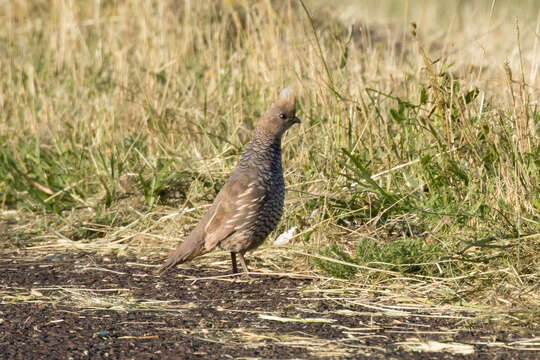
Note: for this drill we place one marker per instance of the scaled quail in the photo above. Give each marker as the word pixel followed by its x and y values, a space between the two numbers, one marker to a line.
pixel 250 204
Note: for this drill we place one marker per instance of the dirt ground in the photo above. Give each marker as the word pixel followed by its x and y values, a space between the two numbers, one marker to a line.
pixel 85 305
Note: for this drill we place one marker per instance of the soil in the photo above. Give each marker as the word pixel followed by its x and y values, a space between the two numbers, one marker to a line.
pixel 91 306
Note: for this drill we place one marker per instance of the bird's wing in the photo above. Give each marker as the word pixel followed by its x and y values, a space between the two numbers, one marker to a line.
pixel 238 204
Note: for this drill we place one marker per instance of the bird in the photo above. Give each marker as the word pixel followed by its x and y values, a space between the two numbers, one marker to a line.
pixel 250 204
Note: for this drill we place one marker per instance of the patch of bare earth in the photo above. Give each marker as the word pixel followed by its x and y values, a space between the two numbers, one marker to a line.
pixel 87 305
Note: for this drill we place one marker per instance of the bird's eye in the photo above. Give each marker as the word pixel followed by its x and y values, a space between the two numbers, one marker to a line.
pixel 282 116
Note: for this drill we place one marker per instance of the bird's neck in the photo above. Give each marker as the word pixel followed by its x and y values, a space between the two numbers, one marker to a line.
pixel 263 150
pixel 263 141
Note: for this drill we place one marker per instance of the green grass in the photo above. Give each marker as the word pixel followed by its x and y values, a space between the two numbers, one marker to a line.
pixel 400 256
pixel 418 153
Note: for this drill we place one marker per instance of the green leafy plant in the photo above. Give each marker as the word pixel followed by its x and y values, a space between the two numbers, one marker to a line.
pixel 153 186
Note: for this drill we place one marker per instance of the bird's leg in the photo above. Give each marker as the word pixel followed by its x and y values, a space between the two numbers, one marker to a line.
pixel 233 260
pixel 243 262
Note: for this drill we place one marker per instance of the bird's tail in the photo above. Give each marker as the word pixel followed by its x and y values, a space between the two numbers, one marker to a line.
pixel 185 252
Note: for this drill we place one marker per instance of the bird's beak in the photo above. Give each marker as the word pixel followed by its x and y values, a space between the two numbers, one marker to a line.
pixel 296 120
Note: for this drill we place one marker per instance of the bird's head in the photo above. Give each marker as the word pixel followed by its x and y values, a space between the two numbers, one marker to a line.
pixel 281 115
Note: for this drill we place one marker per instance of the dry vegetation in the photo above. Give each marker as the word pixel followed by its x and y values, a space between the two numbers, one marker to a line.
pixel 414 175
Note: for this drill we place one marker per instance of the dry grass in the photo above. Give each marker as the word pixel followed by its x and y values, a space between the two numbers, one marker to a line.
pixel 417 159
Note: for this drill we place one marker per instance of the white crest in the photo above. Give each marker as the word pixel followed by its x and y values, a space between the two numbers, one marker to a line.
pixel 287 94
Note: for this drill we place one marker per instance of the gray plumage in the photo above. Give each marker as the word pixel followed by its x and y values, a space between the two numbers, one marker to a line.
pixel 250 204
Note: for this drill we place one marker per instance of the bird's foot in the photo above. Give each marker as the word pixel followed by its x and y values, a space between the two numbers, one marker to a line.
pixel 247 276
